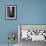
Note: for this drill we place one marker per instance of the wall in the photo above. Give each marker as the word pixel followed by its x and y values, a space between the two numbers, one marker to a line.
pixel 28 12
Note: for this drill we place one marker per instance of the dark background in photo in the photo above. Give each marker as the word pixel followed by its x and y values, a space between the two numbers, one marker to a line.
pixel 10 13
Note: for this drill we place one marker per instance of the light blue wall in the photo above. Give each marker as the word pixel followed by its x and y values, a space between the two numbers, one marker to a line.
pixel 28 12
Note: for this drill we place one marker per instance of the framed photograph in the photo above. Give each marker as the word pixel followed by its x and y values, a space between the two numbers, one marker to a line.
pixel 10 12
pixel 31 32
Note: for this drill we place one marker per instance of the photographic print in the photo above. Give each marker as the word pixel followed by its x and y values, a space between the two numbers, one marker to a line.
pixel 31 33
pixel 10 11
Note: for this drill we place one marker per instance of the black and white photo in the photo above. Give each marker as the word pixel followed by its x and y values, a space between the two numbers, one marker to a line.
pixel 10 11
